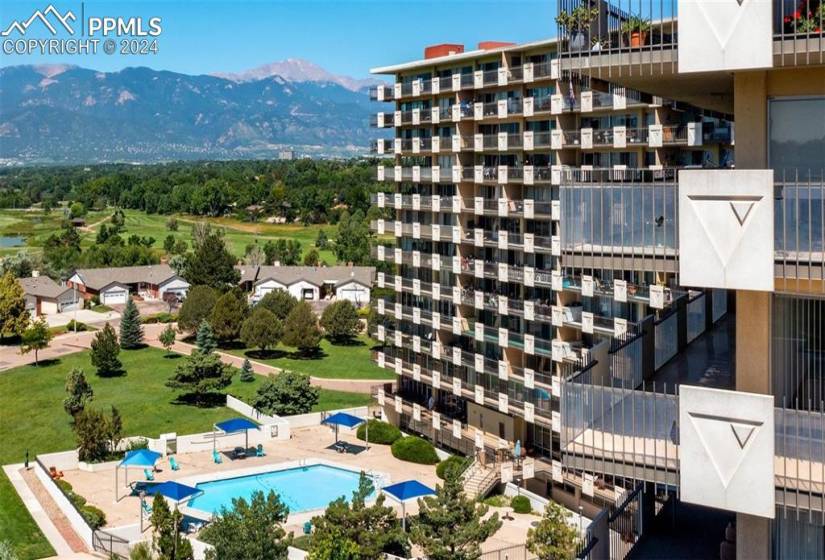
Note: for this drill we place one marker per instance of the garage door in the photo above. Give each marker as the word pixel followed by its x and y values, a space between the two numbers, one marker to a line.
pixel 69 306
pixel 114 297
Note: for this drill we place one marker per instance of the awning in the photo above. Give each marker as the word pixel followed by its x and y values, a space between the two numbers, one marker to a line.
pixel 236 425
pixel 175 491
pixel 408 490
pixel 343 419
pixel 140 458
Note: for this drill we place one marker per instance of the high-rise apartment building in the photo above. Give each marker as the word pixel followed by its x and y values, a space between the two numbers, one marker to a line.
pixel 593 266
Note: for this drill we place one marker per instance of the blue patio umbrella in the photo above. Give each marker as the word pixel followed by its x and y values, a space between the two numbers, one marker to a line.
pixel 344 419
pixel 141 458
pixel 174 491
pixel 171 490
pixel 233 426
pixel 407 490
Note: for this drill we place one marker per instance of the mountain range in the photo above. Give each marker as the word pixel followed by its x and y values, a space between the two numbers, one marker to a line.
pixel 68 114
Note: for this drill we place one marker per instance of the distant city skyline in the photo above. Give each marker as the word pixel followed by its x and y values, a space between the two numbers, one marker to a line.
pixel 346 37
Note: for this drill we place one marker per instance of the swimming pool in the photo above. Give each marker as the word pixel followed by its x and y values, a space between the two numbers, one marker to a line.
pixel 300 488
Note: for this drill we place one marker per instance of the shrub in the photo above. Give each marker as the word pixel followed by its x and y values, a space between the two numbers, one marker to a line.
pixel 162 317
pixel 455 462
pixel 93 516
pixel 521 504
pixel 73 326
pixel 414 450
pixel 379 432
pixel 63 485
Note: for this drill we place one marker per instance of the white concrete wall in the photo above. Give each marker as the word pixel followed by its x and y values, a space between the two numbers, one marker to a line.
pixel 75 519
pixel 279 427
pixel 314 418
pixel 62 460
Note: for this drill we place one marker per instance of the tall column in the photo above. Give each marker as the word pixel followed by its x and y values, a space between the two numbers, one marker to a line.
pixel 753 309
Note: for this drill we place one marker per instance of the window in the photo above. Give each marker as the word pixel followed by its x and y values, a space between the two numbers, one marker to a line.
pixel 796 136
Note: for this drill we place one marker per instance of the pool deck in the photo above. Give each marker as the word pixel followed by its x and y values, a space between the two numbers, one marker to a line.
pixel 307 445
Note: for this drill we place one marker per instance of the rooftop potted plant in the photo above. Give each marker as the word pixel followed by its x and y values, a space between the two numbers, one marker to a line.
pixel 576 23
pixel 636 29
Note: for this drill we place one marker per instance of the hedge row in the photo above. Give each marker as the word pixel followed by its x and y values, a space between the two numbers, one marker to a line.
pixel 93 516
pixel 379 432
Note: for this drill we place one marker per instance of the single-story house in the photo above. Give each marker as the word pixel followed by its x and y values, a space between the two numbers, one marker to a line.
pixel 114 285
pixel 44 296
pixel 311 283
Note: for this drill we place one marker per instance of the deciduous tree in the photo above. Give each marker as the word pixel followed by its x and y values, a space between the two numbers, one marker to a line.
pixel 167 337
pixel 340 321
pixel 36 337
pixel 286 394
pixel 14 318
pixel 553 538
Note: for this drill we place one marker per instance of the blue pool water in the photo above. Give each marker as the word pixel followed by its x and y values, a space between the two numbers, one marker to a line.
pixel 302 488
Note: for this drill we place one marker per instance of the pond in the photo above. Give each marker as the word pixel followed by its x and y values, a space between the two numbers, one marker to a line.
pixel 12 241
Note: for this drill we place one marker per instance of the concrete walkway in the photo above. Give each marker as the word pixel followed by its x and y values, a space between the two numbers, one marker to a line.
pixel 10 357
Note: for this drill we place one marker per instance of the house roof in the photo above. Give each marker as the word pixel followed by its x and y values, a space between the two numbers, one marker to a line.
pixel 337 275
pixel 97 278
pixel 42 286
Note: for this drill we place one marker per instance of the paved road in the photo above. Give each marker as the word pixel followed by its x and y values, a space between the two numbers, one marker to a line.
pixel 10 357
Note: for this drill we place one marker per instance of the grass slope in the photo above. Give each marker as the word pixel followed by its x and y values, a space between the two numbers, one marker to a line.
pixel 334 361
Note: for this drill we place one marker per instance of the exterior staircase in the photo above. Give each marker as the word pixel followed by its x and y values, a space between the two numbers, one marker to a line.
pixel 479 480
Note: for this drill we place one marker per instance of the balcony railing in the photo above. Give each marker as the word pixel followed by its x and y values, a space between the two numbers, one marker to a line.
pixel 606 48
pixel 381 93
pixel 799 232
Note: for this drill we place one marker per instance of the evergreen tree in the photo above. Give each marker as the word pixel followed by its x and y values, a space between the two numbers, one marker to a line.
pixel 167 337
pixel 168 542
pixel 301 329
pixel 104 352
pixel 553 538
pixel 131 331
pixel 36 337
pixel 198 305
pixel 450 526
pixel 251 529
pixel 79 392
pixel 211 263
pixel 262 329
pixel 355 531
pixel 340 321
pixel 14 318
pixel 205 339
pixel 312 258
pixel 247 373
pixel 228 316
pixel 279 302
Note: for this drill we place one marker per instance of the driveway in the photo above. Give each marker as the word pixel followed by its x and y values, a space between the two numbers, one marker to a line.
pixel 83 315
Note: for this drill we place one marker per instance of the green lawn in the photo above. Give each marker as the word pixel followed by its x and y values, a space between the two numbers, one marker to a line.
pixel 18 527
pixel 334 361
pixel 36 226
pixel 33 418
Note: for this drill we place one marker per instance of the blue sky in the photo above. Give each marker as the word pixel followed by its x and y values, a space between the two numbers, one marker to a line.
pixel 343 36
